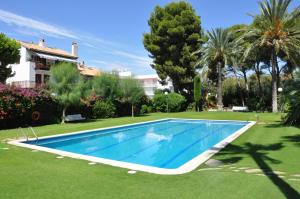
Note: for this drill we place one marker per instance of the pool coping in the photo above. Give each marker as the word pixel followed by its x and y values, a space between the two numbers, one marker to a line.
pixel 185 168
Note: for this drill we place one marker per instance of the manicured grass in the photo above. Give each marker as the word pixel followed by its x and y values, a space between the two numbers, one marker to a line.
pixel 267 145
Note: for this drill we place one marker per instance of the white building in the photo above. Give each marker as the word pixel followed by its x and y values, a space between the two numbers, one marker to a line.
pixel 35 62
pixel 150 83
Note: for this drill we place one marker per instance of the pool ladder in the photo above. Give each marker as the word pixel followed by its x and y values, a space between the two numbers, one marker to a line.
pixel 26 134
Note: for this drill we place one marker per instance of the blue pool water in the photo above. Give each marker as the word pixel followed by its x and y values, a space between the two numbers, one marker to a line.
pixel 164 144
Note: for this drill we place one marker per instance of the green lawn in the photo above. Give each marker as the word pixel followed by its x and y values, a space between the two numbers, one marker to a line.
pixel 267 145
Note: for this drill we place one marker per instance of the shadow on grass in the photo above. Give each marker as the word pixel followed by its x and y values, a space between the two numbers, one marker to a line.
pixel 279 125
pixel 259 153
pixel 84 121
pixel 293 139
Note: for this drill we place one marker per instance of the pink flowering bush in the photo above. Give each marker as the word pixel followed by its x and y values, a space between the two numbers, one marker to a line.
pixel 17 106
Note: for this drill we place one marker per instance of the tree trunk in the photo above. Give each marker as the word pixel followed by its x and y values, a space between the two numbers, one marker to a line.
pixel 132 111
pixel 239 87
pixel 245 80
pixel 278 75
pixel 258 72
pixel 219 89
pixel 274 82
pixel 63 115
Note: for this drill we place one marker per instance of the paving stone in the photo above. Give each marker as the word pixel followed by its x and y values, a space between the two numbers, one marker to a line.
pixel 294 179
pixel 60 157
pixel 296 175
pixel 253 171
pixel 276 172
pixel 244 168
pixel 225 165
pixel 131 172
pixel 214 163
pixel 209 169
pixel 260 174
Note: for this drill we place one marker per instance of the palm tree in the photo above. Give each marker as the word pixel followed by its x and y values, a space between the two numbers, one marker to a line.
pixel 218 49
pixel 275 29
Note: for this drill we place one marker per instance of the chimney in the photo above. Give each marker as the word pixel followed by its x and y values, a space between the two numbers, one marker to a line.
pixel 75 49
pixel 42 43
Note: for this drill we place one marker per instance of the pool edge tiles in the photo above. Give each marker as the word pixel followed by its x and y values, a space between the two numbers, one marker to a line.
pixel 186 167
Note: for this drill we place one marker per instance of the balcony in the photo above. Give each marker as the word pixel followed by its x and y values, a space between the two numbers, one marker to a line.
pixel 41 65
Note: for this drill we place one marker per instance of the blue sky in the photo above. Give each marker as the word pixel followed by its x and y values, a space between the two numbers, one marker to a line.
pixel 109 33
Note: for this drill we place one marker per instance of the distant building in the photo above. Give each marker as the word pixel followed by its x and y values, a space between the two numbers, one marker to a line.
pixel 88 71
pixel 36 59
pixel 150 83
pixel 124 73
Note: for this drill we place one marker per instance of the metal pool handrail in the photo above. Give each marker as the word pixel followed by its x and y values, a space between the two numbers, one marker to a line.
pixel 33 132
pixel 23 133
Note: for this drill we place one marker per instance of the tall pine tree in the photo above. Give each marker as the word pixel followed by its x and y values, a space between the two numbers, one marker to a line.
pixel 175 33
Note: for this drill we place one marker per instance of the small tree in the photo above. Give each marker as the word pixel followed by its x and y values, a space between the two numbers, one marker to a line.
pixel 107 86
pixel 9 54
pixel 197 93
pixel 132 92
pixel 67 85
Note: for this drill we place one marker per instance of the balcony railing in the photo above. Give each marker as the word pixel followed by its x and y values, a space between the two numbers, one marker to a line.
pixel 28 84
pixel 25 84
pixel 41 66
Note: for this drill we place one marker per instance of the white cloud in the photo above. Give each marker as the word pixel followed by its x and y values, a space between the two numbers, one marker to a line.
pixel 32 27
pixel 27 32
pixel 105 65
pixel 11 18
pixel 139 59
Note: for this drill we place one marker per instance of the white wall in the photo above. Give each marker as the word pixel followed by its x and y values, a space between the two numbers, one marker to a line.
pixel 24 71
pixel 151 83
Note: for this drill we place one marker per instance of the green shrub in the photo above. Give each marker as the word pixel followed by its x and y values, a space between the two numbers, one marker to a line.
pixel 146 109
pixel 175 102
pixel 104 109
pixel 259 101
pixel 160 101
pixel 191 107
pixel 172 102
pixel 234 92
pixel 290 100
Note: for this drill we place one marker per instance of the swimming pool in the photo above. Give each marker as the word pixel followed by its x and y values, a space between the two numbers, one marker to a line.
pixel 169 146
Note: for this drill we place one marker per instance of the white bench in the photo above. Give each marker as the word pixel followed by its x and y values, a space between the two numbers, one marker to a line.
pixel 240 108
pixel 76 117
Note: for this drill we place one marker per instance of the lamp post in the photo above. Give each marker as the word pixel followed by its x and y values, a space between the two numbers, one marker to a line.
pixel 279 95
pixel 166 93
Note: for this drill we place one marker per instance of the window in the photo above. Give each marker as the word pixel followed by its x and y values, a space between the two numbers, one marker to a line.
pixel 38 78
